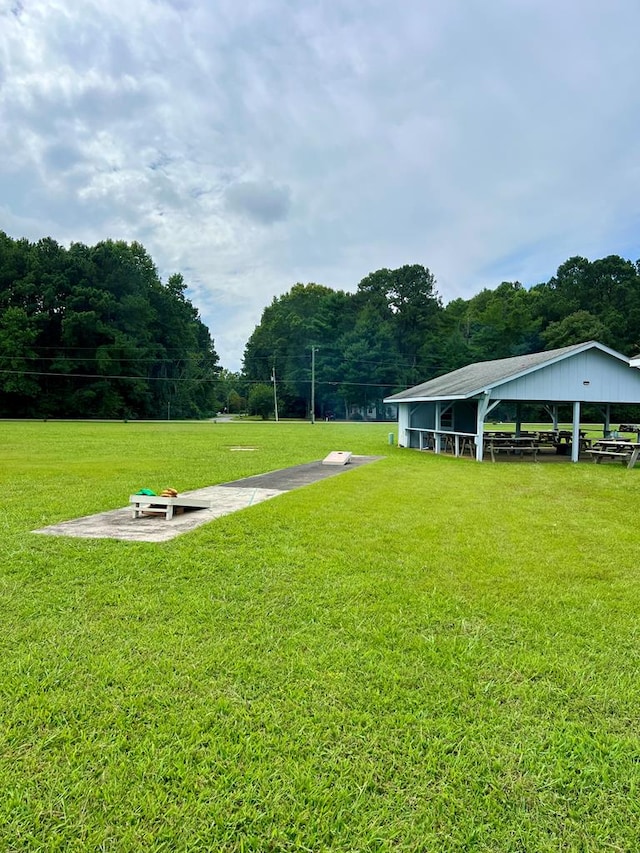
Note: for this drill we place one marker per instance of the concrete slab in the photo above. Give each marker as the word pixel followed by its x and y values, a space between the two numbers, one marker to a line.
pixel 224 499
pixel 286 479
pixel 119 523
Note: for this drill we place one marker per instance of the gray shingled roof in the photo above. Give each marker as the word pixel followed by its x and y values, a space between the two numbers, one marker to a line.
pixel 475 378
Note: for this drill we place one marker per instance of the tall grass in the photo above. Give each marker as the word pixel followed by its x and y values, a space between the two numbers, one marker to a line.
pixel 422 654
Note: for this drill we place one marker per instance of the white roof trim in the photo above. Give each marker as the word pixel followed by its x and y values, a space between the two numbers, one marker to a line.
pixel 422 399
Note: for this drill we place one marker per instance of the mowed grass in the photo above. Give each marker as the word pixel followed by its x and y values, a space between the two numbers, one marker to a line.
pixel 423 654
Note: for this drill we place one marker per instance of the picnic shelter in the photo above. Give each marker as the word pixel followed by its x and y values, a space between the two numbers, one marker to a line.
pixel 450 411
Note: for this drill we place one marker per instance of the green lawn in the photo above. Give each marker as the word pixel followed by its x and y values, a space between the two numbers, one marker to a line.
pixel 424 654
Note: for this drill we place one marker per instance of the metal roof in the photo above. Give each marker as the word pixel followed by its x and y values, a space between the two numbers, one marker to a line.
pixel 476 378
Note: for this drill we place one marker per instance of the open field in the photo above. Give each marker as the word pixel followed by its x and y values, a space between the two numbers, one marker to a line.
pixel 424 654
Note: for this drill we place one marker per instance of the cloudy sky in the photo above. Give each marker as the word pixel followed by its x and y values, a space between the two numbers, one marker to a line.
pixel 252 144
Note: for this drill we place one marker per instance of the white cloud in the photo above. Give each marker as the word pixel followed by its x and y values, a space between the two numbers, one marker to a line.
pixel 252 145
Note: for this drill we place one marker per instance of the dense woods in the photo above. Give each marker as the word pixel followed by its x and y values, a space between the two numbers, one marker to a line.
pixel 395 331
pixel 93 332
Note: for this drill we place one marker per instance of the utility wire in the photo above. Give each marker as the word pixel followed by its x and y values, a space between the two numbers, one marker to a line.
pixel 332 382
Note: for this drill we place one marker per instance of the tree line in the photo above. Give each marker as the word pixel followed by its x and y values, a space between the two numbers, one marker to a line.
pixel 394 331
pixel 94 332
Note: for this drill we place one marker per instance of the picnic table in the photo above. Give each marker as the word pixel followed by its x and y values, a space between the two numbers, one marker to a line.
pixel 562 440
pixel 630 428
pixel 510 443
pixel 616 449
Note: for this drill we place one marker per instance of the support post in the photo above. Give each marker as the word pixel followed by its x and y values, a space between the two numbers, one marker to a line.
pixel 313 385
pixel 275 395
pixel 575 435
pixel 485 405
pixel 404 419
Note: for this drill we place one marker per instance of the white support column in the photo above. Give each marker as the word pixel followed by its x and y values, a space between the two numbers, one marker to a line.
pixel 438 424
pixel 485 405
pixel 483 408
pixel 575 436
pixel 403 424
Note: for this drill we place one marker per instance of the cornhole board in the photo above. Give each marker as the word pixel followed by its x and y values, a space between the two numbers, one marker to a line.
pixel 159 505
pixel 337 457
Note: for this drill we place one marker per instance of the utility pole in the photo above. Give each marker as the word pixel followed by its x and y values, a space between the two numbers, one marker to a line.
pixel 313 385
pixel 275 396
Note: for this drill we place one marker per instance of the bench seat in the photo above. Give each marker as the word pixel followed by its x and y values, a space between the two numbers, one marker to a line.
pixel 628 455
pixel 598 455
pixel 501 446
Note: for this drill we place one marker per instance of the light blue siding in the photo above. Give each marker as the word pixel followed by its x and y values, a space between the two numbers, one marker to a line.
pixel 588 377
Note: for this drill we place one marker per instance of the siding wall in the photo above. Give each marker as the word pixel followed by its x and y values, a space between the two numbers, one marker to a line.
pixel 424 416
pixel 588 377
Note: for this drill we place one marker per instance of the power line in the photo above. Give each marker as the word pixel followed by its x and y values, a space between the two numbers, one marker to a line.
pixel 111 358
pixel 332 382
pixel 391 362
pixel 111 376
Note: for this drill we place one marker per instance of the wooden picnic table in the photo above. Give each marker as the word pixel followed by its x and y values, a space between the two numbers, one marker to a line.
pixel 616 449
pixel 510 443
pixel 562 439
pixel 630 428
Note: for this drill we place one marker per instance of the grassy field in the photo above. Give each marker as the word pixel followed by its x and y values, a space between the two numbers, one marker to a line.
pixel 424 654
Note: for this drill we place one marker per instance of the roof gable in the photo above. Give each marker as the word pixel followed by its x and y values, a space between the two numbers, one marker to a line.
pixel 476 378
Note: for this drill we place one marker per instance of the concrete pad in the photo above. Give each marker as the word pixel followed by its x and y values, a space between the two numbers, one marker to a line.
pixel 119 523
pixel 286 479
pixel 224 499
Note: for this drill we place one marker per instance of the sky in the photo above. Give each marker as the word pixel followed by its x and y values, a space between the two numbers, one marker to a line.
pixel 254 144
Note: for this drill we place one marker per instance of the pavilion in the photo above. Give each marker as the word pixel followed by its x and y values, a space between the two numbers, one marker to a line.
pixel 453 408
